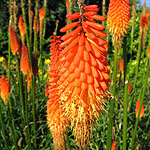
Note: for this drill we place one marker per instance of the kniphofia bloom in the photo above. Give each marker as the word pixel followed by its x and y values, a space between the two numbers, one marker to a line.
pixel 55 118
pixel 84 76
pixel 118 19
pixel 14 41
pixel 137 109
pixel 24 61
pixel 4 89
pixel 22 29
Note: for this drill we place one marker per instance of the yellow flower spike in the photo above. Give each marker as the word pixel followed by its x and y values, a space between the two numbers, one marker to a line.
pixel 47 61
pixel 1 59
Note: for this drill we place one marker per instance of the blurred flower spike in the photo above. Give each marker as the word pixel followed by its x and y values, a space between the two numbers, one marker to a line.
pixel 4 89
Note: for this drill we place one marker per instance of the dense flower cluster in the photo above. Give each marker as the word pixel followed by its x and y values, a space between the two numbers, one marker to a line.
pixel 118 19
pixel 84 75
pixel 4 89
pixel 56 120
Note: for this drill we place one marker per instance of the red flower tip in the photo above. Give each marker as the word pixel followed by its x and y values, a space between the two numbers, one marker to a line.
pixel 22 29
pixel 137 109
pixel 41 13
pixel 129 88
pixel 121 65
pixel 31 12
pixel 113 146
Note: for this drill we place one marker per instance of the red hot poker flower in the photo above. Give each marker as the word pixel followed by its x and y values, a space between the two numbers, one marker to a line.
pixel 4 89
pixel 24 62
pixel 84 75
pixel 118 19
pixel 22 29
pixel 14 41
pixel 137 109
pixel 55 118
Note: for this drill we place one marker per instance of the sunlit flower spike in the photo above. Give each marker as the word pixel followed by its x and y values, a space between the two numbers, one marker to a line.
pixel 84 76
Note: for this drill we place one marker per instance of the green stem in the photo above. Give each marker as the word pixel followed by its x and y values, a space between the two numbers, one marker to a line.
pixel 26 115
pixel 33 109
pixel 20 89
pixel 142 97
pixel 133 22
pixel 109 134
pixel 3 129
pixel 103 9
pixel 68 142
pixel 125 104
pixel 35 30
pixel 45 15
pixel 26 29
pixel 137 68
pixel 30 22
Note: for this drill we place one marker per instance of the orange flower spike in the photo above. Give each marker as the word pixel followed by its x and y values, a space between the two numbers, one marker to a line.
pixel 41 13
pixel 84 75
pixel 113 146
pixel 22 29
pixel 121 65
pixel 118 17
pixel 129 88
pixel 55 118
pixel 24 62
pixel 14 41
pixel 137 109
pixel 37 26
pixel 144 20
pixel 4 89
pixel 41 17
